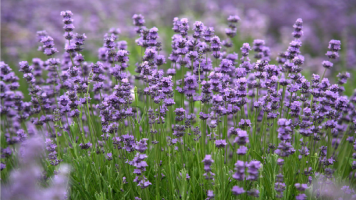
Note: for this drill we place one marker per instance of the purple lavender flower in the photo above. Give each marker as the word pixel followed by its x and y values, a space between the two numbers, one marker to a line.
pixel 232 20
pixel 139 22
pixel 6 152
pixel 245 49
pixel 252 170
pixel 342 78
pixel 258 45
pixel 334 47
pixel 242 137
pixel 183 27
pixel 280 161
pixel 298 26
pixel 210 194
pixel 2 166
pixel 169 102
pixel 216 46
pixel 226 66
pixel 279 187
pixel 198 29
pixel 109 156
pixel 85 146
pixel 285 129
pixel 242 150
pixel 208 33
pixel 301 197
pixel 327 64
pixel 179 111
pixel 208 161
pixel 141 146
pixel 203 116
pixel 68 22
pixel 285 149
pixel 245 123
pixel 24 67
pixel 236 190
pixel 220 143
pixel 48 46
pixel 295 108
pixel 240 170
pixel 301 187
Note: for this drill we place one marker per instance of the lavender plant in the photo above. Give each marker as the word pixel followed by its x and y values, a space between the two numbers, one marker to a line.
pixel 199 124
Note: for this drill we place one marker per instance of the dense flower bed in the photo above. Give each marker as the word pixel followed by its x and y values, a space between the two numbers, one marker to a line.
pixel 201 123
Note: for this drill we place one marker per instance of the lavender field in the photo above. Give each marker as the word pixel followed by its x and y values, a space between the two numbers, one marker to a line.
pixel 178 100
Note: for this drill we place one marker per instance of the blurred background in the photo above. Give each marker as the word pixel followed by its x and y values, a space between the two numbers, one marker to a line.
pixel 269 20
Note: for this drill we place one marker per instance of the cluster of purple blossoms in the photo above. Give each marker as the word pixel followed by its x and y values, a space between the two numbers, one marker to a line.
pixel 252 170
pixel 74 41
pixel 279 185
pixel 236 190
pixel 240 170
pixel 301 188
pixel 68 24
pixel 241 139
pixel 303 151
pixel 140 165
pixel 232 20
pixel 334 47
pixel 208 161
pixel 87 145
pixel 245 61
pixel 298 26
pixel 208 33
pixel 209 175
pixel 139 22
pixel 48 46
pixel 190 86
pixel 215 47
pixel 220 144
pixel 52 153
pixel 258 47
pixel 198 29
pixel 285 129
pixel 129 142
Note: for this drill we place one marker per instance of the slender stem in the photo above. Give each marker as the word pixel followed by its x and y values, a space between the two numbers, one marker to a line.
pixel 323 74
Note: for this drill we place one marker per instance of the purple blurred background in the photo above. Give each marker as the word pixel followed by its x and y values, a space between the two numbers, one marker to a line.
pixel 269 20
